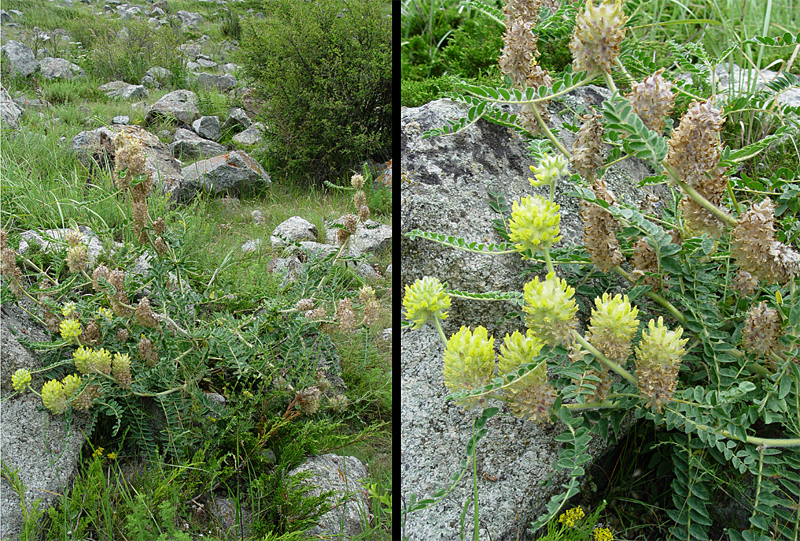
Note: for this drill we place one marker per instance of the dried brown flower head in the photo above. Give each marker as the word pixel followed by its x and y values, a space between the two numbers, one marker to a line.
pixel 147 351
pixel 645 261
pixel 755 249
pixel 145 315
pixel 159 227
pixel 305 305
pixel 92 334
pixel 123 335
pixel 587 151
pixel 100 272
pixel 599 228
pixel 160 246
pixel 653 100
pixel 77 258
pixel 694 146
pixel 316 314
pixel 745 283
pixel 345 316
pixel 308 400
pixel 761 331
pixel 597 36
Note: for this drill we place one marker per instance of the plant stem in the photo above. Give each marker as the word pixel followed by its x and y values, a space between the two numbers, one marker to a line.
pixel 609 81
pixel 549 134
pixel 654 297
pixel 437 324
pixel 766 442
pixel 549 261
pixel 720 214
pixel 602 358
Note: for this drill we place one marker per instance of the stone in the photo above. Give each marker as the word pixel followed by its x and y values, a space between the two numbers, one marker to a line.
pixel 59 68
pixel 43 448
pixel 207 127
pixel 155 23
pixel 190 20
pixel 128 12
pixel 388 272
pixel 237 119
pixel 290 267
pixel 258 217
pixel 9 111
pixel 207 64
pixel 370 237
pixel 191 50
pixel 179 104
pixel 123 91
pixel 55 239
pixel 738 78
pixel 157 12
pixel 516 455
pixel 20 59
pixel 230 172
pixel 251 136
pixel 386 334
pixel 219 82
pixel 96 146
pixel 449 182
pixel 367 272
pixel 188 145
pixel 122 119
pixel 5 17
pixel 231 68
pixel 233 523
pixel 295 229
pixel 163 5
pixel 251 245
pixel 344 475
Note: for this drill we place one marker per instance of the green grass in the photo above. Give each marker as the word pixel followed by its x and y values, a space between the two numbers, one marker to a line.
pixel 45 186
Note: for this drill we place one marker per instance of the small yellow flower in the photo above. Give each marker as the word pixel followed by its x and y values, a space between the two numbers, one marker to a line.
pixel 81 357
pixel 603 534
pixel 247 393
pixel 105 312
pixel 571 517
pixel 97 452
pixel 112 456
pixel 549 170
pixel 21 379
pixel 70 328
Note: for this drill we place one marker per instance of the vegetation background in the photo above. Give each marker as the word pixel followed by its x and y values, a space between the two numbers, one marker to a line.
pixel 447 40
pixel 327 123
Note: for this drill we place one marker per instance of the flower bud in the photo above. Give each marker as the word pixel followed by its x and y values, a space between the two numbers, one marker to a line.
pixel 550 309
pixel 72 383
pixel 653 100
pixel 425 299
pixel 534 224
pixel 77 258
pixel 121 369
pixel 549 170
pixel 468 362
pixel 21 380
pixel 100 361
pixel 82 358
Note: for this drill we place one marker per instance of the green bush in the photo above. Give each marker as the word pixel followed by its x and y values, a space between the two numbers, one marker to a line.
pixel 326 75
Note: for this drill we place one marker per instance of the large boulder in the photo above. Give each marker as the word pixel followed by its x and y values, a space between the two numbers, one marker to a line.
pixel 225 174
pixel 207 127
pixel 60 68
pixel 447 181
pixel 20 58
pixel 188 144
pixel 179 104
pixel 123 91
pixel 370 237
pixel 513 458
pixel 295 229
pixel 237 119
pixel 95 148
pixel 44 449
pixel 343 475
pixel 9 111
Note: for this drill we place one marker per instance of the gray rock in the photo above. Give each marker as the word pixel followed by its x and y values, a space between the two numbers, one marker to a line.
pixel 179 104
pixel 191 50
pixel 207 127
pixel 448 193
pixel 157 12
pixel 237 119
pixel 43 448
pixel 122 119
pixel 231 68
pixel 342 474
pixel 193 67
pixel 517 455
pixel 251 245
pixel 386 334
pixel 155 23
pixel 367 272
pixel 737 81
pixel 294 229
pixel 97 146
pixel 123 91
pixel 128 12
pixel 236 524
pixel 162 4
pixel 20 58
pixel 251 136
pixel 5 17
pixel 229 172
pixel 190 20
pixel 370 237
pixel 388 272
pixel 291 268
pixel 59 68
pixel 188 145
pixel 9 111
pixel 220 82
pixel 205 63
pixel 155 77
pixel 17 14
pixel 55 239
pixel 316 250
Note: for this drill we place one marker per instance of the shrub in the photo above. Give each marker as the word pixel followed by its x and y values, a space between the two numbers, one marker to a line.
pixel 325 72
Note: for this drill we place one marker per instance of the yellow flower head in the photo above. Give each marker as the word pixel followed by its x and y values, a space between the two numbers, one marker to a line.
pixel 68 310
pixel 97 452
pixel 21 379
pixel 534 223
pixel 571 517
pixel 81 357
pixel 71 383
pixel 549 170
pixel 468 362
pixel 425 299
pixel 70 328
pixel 603 534
pixel 53 396
pixel 551 309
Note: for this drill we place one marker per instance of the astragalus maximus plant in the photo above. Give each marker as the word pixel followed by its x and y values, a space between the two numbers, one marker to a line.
pixel 705 341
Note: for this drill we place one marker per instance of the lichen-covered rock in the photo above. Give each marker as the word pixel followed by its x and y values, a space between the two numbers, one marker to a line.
pixel 179 104
pixel 294 229
pixel 225 174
